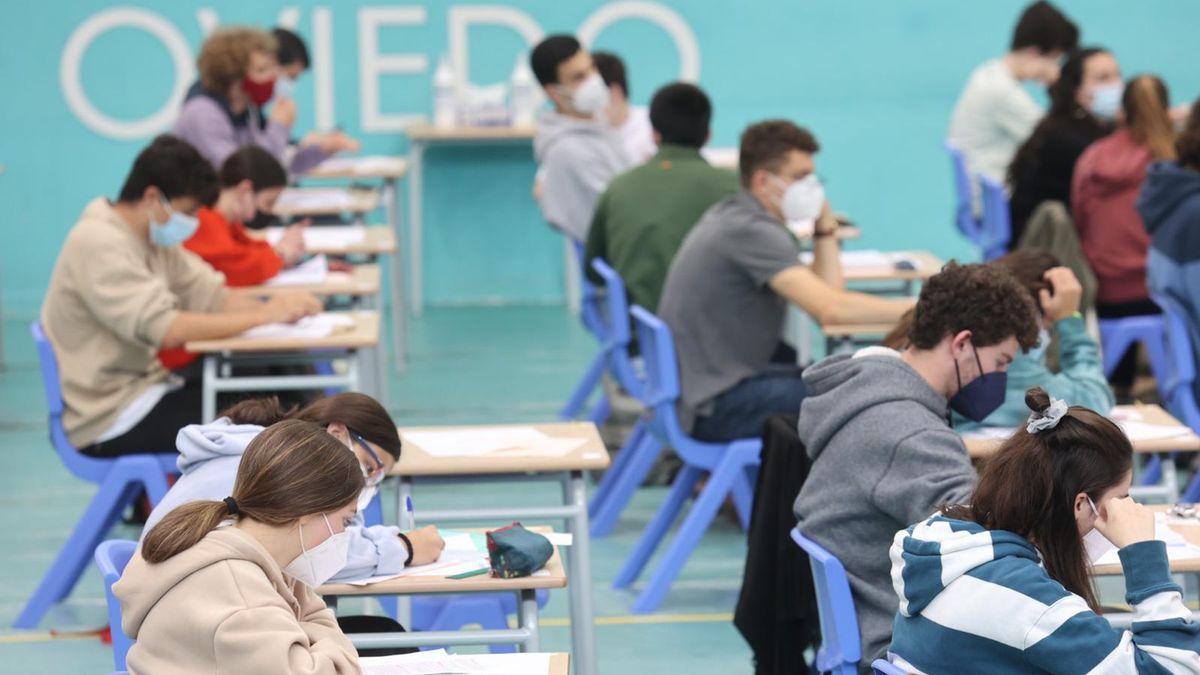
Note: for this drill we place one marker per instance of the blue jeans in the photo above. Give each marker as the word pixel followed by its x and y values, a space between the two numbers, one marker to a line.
pixel 742 410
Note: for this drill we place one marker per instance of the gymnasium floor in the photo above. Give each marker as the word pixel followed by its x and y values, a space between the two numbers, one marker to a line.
pixel 467 365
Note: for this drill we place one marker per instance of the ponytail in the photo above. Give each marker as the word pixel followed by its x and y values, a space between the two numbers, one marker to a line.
pixel 1145 103
pixel 182 529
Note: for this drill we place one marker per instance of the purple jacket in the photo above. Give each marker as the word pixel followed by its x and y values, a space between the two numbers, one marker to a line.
pixel 206 122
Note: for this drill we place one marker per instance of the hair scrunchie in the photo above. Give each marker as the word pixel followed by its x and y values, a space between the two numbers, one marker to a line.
pixel 231 504
pixel 1049 418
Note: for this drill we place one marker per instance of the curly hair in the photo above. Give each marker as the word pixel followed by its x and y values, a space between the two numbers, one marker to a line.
pixel 225 56
pixel 984 299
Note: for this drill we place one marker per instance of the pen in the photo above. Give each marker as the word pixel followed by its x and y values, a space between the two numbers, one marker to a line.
pixel 412 518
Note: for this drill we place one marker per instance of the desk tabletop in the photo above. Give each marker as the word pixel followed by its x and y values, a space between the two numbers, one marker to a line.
pixel 360 167
pixel 415 585
pixel 360 281
pixel 364 333
pixel 377 240
pixel 429 132
pixel 925 265
pixel 979 448
pixel 1190 532
pixel 356 201
pixel 591 455
pixel 856 330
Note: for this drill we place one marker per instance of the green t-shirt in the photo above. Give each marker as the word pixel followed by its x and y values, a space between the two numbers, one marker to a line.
pixel 641 220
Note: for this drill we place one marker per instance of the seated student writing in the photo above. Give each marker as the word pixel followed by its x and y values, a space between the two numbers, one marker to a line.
pixel 291 53
pixel 123 288
pixel 875 428
pixel 226 585
pixel 1002 577
pixel 210 454
pixel 726 293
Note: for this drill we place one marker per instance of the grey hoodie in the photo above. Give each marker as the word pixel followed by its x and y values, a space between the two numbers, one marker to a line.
pixel 209 455
pixel 577 159
pixel 883 458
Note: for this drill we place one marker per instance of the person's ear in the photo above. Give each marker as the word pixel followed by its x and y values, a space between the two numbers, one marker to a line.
pixel 657 137
pixel 245 186
pixel 959 343
pixel 707 137
pixel 338 430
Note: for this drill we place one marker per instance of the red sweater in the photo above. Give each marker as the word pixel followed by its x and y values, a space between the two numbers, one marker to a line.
pixel 244 260
pixel 1104 191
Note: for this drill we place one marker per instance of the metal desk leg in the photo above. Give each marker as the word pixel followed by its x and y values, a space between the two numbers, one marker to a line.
pixel 579 579
pixel 403 492
pixel 415 224
pixel 391 201
pixel 208 411
pixel 527 617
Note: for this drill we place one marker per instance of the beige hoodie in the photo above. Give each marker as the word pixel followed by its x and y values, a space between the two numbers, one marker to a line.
pixel 224 606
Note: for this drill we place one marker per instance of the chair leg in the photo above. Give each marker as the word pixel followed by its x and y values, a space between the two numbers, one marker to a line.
pixel 680 491
pixel 600 493
pixel 1152 472
pixel 720 483
pixel 1191 494
pixel 113 495
pixel 641 461
pixel 583 390
pixel 743 496
pixel 390 604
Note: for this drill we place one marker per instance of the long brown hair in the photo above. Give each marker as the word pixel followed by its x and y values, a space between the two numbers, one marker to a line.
pixel 357 411
pixel 1146 103
pixel 1029 487
pixel 291 469
pixel 1188 143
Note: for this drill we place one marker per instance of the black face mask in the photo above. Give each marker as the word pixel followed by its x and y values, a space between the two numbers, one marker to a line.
pixel 979 397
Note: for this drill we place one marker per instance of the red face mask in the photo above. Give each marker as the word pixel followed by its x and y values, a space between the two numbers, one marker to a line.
pixel 259 92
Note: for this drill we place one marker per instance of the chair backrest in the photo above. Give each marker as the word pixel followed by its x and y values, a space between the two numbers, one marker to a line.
pixel 964 194
pixel 840 639
pixel 82 466
pixel 884 667
pixel 591 299
pixel 615 316
pixel 1182 340
pixel 996 223
pixel 661 389
pixel 111 557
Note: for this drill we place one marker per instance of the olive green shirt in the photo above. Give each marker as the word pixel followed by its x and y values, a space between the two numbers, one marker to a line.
pixel 643 216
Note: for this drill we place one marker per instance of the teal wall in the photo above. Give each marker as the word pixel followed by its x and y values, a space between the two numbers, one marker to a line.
pixel 875 80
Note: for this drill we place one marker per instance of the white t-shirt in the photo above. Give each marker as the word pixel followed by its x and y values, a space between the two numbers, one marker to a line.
pixel 992 118
pixel 637 136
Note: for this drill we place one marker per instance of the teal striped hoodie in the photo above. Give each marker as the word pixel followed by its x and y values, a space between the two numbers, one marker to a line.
pixel 979 601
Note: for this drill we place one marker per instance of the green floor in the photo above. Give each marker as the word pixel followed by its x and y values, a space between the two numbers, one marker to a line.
pixel 467 365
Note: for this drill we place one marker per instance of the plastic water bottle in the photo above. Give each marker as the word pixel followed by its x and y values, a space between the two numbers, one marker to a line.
pixel 524 93
pixel 445 112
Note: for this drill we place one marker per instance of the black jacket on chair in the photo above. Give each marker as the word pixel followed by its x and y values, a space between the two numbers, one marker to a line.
pixel 777 608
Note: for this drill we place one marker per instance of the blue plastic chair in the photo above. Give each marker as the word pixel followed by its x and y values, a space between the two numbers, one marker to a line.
pixel 841 646
pixel 996 222
pixel 1118 335
pixel 637 456
pixel 731 469
pixel 111 557
pixel 885 667
pixel 590 313
pixel 1177 386
pixel 964 208
pixel 120 482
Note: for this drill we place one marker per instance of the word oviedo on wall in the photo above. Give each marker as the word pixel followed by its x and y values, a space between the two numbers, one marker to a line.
pixel 371 62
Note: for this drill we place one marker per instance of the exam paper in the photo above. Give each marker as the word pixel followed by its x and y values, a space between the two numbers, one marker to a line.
pixel 310 327
pixel 308 273
pixel 324 237
pixel 314 199
pixel 510 441
pixel 440 663
pixel 1134 429
pixel 866 259
pixel 366 165
pixel 1103 552
pixel 464 552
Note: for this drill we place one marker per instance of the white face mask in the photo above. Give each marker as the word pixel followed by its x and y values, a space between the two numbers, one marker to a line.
pixel 591 96
pixel 802 201
pixel 315 567
pixel 284 87
pixel 1106 100
pixel 365 497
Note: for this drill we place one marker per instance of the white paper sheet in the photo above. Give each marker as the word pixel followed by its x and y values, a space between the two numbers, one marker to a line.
pixel 865 259
pixel 463 553
pixel 324 237
pixel 308 273
pixel 440 663
pixel 314 198
pixel 1135 430
pixel 310 327
pixel 560 538
pixel 511 441
pixel 1104 552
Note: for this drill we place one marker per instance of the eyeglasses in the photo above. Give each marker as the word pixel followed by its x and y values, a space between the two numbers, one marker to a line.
pixel 375 475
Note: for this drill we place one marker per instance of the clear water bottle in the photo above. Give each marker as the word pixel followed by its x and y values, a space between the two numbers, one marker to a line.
pixel 524 91
pixel 445 92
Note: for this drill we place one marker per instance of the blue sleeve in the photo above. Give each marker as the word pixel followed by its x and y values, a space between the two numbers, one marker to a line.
pixel 374 551
pixel 1080 380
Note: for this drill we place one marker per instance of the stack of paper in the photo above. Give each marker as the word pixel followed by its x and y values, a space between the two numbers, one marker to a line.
pixel 308 273
pixel 324 238
pixel 514 441
pixel 438 662
pixel 310 199
pixel 865 259
pixel 1101 552
pixel 310 327
pixel 368 165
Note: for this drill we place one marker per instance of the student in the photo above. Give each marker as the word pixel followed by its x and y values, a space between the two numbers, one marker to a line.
pixel 1170 206
pixel 1003 576
pixel 227 585
pixel 875 426
pixel 1104 193
pixel 291 53
pixel 632 122
pixel 210 454
pixel 1082 107
pixel 123 288
pixel 726 293
pixel 642 218
pixel 994 113
pixel 224 110
pixel 577 152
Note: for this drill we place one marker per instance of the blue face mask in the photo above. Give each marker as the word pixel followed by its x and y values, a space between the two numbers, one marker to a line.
pixel 178 228
pixel 1106 100
pixel 979 397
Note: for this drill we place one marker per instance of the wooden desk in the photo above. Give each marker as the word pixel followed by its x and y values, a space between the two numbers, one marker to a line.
pixel 378 240
pixel 363 280
pixel 509 466
pixel 420 137
pixel 360 343
pixel 559 662
pixel 387 168
pixel 981 448
pixel 360 202
pixel 925 265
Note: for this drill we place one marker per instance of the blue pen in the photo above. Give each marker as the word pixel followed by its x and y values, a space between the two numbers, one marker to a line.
pixel 412 518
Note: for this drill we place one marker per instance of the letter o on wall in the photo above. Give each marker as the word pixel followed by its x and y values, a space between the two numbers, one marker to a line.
pixel 664 17
pixel 72 60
